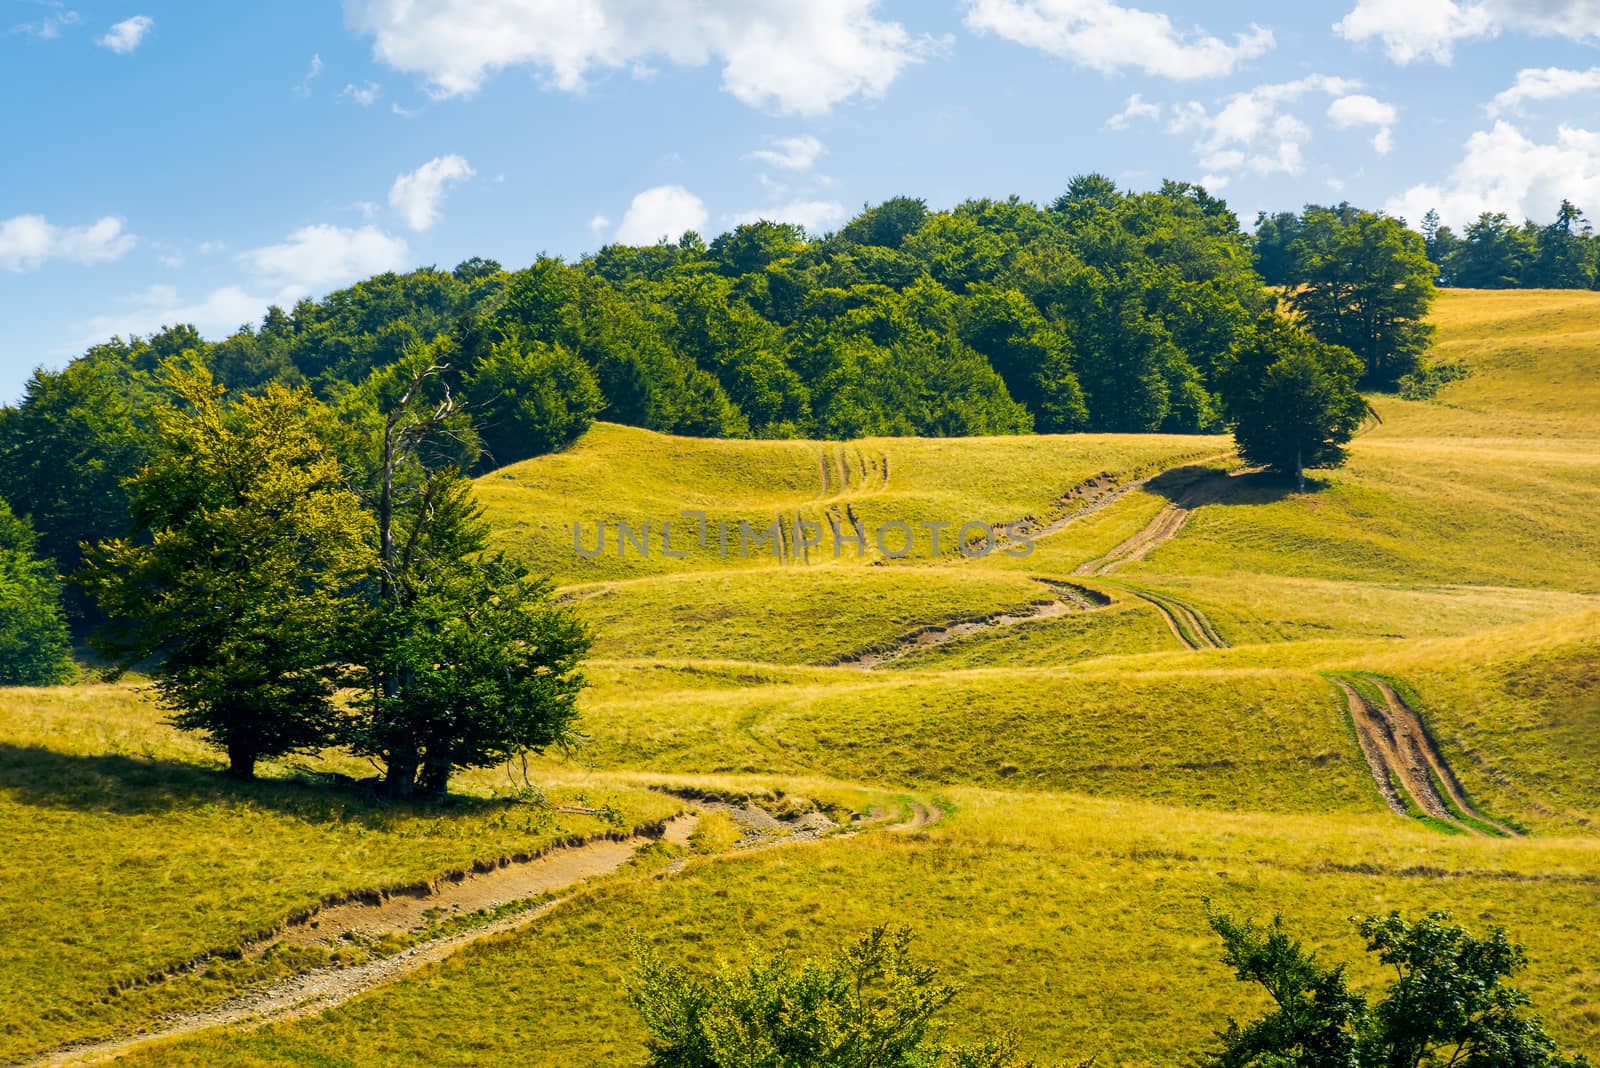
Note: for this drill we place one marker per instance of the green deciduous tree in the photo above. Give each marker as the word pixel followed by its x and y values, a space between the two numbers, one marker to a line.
pixel 1364 281
pixel 239 576
pixel 1291 401
pixel 66 450
pixel 1448 1006
pixel 466 661
pixel 871 1006
pixel 34 650
pixel 532 400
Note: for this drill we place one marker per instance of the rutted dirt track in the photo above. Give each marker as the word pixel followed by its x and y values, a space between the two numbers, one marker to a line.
pixel 1162 529
pixel 1407 766
pixel 1187 623
pixel 559 870
pixel 1071 599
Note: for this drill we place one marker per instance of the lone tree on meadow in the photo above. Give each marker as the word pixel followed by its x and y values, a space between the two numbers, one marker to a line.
pixel 239 576
pixel 1290 400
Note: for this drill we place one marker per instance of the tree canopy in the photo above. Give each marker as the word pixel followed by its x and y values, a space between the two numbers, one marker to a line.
pixel 33 631
pixel 247 545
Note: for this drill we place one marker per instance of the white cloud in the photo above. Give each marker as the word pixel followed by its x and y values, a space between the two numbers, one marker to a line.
pixel 663 212
pixel 417 195
pixel 50 26
pixel 311 259
pixel 1252 129
pixel 1503 170
pixel 1135 108
pixel 313 72
pixel 817 216
pixel 1359 109
pixel 599 224
pixel 1548 83
pixel 217 314
pixel 1430 29
pixel 315 257
pixel 127 35
pixel 1108 37
pixel 28 241
pixel 365 94
pixel 796 56
pixel 791 153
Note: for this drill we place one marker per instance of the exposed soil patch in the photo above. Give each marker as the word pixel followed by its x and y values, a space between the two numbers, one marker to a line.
pixel 505 883
pixel 1162 529
pixel 1407 766
pixel 1072 599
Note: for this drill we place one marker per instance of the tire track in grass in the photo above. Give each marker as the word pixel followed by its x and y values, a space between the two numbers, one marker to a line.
pixel 1070 599
pixel 1188 624
pixel 1411 774
pixel 1167 524
pixel 1407 720
pixel 301 995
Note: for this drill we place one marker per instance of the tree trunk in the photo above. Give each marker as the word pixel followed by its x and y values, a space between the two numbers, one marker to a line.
pixel 435 780
pixel 1299 469
pixel 400 777
pixel 241 761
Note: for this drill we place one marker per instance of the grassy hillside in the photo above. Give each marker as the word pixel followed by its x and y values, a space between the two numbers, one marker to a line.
pixel 1141 711
pixel 1076 922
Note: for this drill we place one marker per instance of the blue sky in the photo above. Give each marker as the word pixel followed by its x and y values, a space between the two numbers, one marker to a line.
pixel 195 162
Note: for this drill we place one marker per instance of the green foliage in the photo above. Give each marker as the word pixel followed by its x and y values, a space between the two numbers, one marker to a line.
pixel 1315 1017
pixel 532 401
pixel 1447 1005
pixel 66 449
pixel 34 650
pixel 466 663
pixel 1291 400
pixel 871 1006
pixel 1363 281
pixel 1426 381
pixel 247 547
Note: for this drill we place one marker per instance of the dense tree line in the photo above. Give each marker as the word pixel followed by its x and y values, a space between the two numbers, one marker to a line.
pixel 1491 252
pixel 1102 311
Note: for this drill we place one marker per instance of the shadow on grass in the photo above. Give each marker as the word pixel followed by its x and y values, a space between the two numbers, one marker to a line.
pixel 126 785
pixel 1251 487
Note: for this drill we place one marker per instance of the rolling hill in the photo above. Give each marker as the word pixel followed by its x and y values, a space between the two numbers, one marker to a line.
pixel 1384 693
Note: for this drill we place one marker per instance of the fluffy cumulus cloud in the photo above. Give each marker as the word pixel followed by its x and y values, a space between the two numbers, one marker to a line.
pixel 1108 37
pixel 317 257
pixel 1504 170
pixel 1254 130
pixel 1359 109
pixel 311 259
pixel 791 153
pixel 28 241
pixel 127 35
pixel 1430 29
pixel 796 56
pixel 817 216
pixel 1546 83
pixel 663 212
pixel 1134 110
pixel 416 196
